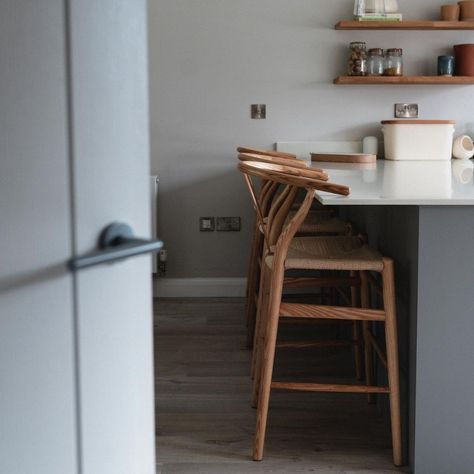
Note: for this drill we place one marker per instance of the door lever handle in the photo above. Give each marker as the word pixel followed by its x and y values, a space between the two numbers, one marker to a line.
pixel 116 242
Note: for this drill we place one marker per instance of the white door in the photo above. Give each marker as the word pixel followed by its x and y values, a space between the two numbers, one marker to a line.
pixel 76 375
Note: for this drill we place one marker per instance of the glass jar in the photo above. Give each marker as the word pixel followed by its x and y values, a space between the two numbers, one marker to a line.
pixel 357 63
pixel 375 62
pixel 393 62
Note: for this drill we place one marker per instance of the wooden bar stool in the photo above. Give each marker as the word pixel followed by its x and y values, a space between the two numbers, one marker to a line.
pixel 333 283
pixel 317 222
pixel 341 254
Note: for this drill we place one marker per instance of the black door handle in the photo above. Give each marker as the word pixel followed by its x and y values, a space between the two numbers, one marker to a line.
pixel 116 242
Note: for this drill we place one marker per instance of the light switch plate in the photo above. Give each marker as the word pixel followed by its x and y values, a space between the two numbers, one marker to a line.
pixel 406 110
pixel 258 111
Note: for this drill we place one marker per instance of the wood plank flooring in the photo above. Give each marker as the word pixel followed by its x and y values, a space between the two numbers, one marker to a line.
pixel 204 421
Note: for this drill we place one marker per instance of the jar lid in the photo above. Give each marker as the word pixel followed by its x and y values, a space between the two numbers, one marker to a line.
pixel 358 44
pixel 376 51
pixel 395 51
pixel 419 122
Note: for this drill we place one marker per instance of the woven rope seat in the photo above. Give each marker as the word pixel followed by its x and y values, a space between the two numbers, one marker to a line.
pixel 330 253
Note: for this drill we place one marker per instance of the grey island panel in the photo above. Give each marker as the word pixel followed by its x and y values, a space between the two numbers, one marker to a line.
pixel 444 418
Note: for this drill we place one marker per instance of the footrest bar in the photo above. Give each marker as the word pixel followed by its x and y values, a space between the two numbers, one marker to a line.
pixel 320 282
pixel 334 388
pixel 295 310
pixel 315 344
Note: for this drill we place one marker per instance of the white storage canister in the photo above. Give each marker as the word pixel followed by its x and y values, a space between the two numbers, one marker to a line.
pixel 418 140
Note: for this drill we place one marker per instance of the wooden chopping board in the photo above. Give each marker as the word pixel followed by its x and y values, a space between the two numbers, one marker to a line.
pixel 344 157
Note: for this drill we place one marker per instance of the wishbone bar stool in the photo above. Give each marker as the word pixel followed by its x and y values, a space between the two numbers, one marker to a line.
pixel 270 239
pixel 317 222
pixel 348 254
pixel 261 237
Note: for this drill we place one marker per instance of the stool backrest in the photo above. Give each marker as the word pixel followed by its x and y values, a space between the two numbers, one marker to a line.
pixel 290 175
pixel 275 160
pixel 260 151
pixel 296 163
pixel 275 231
pixel 269 191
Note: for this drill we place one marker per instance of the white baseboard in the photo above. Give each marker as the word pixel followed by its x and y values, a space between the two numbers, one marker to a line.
pixel 199 287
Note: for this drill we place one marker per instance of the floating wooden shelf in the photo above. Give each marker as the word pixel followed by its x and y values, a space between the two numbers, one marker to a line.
pixel 405 25
pixel 403 80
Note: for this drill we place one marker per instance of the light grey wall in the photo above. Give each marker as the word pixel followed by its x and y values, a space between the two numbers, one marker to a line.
pixel 210 59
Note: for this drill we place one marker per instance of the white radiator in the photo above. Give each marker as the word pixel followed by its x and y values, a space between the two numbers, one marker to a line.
pixel 154 209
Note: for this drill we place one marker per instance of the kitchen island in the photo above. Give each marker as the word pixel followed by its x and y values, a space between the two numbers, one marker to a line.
pixel 422 215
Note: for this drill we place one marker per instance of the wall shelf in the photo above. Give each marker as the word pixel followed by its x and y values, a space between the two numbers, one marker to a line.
pixel 403 80
pixel 404 25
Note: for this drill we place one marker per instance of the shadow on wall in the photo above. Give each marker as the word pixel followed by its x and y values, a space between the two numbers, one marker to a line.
pixel 189 193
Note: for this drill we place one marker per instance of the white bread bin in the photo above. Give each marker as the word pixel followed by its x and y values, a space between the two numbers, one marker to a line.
pixel 418 140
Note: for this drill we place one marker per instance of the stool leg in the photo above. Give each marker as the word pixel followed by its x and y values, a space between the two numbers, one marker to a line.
pixel 391 336
pixel 259 340
pixel 252 283
pixel 257 323
pixel 368 352
pixel 356 335
pixel 268 358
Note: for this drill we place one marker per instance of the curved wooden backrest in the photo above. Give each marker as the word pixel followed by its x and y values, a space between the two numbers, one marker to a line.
pixel 276 160
pixel 278 210
pixel 278 232
pixel 304 178
pixel 259 151
pixel 296 163
pixel 267 194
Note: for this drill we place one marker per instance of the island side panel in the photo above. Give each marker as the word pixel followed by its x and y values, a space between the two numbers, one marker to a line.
pixel 394 231
pixel 445 341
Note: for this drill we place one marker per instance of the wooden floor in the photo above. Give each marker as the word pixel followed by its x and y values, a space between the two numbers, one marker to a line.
pixel 204 420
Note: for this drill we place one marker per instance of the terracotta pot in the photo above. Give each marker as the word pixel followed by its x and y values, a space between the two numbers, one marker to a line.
pixel 450 12
pixel 467 10
pixel 464 59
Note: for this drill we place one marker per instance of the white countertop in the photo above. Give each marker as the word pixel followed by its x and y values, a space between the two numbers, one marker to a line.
pixel 419 183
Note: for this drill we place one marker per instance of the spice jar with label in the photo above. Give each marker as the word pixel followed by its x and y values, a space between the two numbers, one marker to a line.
pixel 357 63
pixel 375 62
pixel 393 62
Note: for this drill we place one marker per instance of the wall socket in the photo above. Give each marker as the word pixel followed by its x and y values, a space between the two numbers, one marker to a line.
pixel 406 110
pixel 228 224
pixel 207 224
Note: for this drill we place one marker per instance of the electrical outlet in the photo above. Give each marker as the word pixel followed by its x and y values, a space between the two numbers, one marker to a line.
pixel 406 111
pixel 228 224
pixel 206 224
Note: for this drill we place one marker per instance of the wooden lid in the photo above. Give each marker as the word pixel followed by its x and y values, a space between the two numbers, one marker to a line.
pixel 418 122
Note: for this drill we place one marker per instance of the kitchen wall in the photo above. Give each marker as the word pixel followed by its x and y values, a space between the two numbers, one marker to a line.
pixel 211 59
